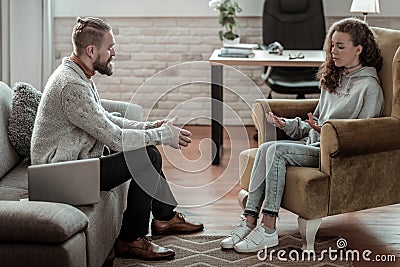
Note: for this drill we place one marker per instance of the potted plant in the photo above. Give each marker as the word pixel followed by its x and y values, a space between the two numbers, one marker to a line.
pixel 227 19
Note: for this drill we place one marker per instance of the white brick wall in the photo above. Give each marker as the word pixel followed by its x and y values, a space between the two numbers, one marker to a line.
pixel 145 49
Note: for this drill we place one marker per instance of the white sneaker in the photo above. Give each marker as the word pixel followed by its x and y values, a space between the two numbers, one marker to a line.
pixel 257 240
pixel 239 232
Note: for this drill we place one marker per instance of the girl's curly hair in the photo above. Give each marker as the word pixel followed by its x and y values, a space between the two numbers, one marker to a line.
pixel 360 34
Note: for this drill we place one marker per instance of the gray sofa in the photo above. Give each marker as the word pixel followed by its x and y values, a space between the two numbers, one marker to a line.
pixel 52 234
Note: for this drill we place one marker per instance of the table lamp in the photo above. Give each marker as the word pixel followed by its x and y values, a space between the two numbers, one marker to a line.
pixel 365 7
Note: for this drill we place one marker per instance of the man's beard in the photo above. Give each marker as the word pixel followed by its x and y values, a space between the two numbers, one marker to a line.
pixel 105 68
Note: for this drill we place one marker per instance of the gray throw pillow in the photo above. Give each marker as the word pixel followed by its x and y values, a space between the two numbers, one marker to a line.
pixel 24 107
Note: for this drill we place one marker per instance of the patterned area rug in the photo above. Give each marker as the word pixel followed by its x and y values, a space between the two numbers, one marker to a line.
pixel 204 251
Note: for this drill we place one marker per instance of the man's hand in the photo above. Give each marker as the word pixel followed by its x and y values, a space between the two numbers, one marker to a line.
pixel 161 122
pixel 180 137
pixel 312 123
pixel 275 120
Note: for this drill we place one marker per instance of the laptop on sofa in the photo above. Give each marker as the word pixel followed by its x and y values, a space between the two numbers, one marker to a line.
pixel 71 182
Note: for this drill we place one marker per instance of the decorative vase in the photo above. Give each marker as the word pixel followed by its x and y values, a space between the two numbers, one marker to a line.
pixel 231 42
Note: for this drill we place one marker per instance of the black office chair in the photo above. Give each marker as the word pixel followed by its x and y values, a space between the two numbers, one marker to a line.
pixel 296 24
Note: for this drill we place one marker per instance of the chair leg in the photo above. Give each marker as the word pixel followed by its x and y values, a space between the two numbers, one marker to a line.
pixel 308 229
pixel 242 198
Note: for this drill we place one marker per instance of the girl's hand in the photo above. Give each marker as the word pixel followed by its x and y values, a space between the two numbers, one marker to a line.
pixel 275 120
pixel 312 123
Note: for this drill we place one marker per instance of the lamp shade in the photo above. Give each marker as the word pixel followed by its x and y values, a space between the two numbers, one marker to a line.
pixel 365 6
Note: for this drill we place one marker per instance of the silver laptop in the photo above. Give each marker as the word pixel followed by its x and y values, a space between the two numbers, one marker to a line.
pixel 71 182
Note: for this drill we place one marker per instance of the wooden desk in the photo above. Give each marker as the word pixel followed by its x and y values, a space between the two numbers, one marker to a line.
pixel 312 58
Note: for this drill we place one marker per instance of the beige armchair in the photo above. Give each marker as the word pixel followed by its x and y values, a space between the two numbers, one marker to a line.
pixel 359 167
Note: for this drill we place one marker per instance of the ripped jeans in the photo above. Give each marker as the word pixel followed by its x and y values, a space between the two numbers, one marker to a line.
pixel 268 176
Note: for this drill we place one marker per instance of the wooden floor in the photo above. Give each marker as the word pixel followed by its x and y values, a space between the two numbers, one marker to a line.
pixel 208 193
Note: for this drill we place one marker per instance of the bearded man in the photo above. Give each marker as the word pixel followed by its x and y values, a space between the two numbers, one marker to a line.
pixel 71 124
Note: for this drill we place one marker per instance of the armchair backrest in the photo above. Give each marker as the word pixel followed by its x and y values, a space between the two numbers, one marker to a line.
pixel 389 42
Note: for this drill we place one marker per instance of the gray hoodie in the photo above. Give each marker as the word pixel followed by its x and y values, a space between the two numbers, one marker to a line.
pixel 359 95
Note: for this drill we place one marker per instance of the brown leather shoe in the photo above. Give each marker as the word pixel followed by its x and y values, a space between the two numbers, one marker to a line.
pixel 177 225
pixel 143 249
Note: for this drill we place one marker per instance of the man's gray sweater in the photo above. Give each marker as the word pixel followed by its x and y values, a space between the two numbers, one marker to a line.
pixel 71 124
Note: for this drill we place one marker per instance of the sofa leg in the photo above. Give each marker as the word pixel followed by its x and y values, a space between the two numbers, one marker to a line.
pixel 242 198
pixel 308 229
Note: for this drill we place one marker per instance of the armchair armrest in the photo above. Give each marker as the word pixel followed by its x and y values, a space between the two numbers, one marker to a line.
pixel 360 157
pixel 288 108
pixel 350 137
pixel 22 221
pixel 127 110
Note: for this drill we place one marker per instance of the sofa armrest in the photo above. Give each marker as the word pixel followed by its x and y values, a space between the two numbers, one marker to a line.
pixel 127 110
pixel 288 108
pixel 30 221
pixel 350 137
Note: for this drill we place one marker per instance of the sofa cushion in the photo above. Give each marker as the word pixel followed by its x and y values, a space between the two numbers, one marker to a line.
pixel 14 185
pixel 31 221
pixel 7 193
pixel 24 108
pixel 69 253
pixel 8 156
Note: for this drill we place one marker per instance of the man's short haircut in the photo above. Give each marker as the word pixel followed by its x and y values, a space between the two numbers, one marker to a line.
pixel 88 31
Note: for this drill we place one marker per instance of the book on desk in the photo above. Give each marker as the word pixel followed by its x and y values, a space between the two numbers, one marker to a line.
pixel 238 50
